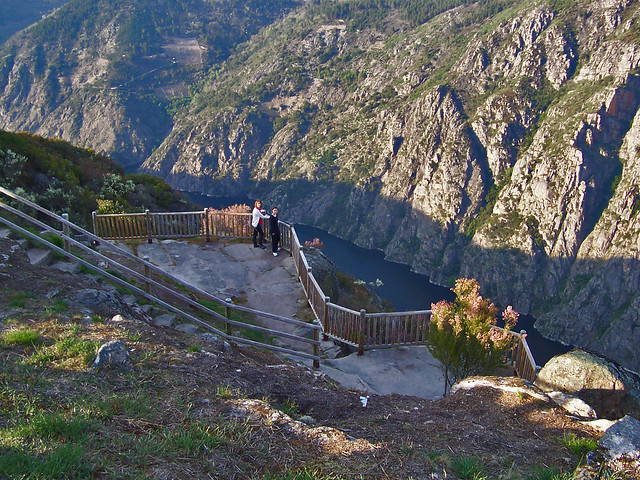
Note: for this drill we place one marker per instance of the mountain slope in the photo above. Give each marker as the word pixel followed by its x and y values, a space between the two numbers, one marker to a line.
pixel 109 74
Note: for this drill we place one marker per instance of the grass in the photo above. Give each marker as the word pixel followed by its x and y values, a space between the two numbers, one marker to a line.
pixel 549 474
pixel 18 300
pixel 290 408
pixel 225 392
pixel 21 337
pixel 467 468
pixel 579 445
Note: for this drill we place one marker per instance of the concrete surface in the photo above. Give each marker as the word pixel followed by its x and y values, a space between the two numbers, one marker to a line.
pixel 261 281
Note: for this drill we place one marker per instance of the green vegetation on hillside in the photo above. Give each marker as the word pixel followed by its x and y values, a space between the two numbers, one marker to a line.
pixel 67 179
pixel 366 13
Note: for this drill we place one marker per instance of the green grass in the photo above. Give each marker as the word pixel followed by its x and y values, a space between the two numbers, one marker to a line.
pixel 579 445
pixel 303 474
pixel 467 468
pixel 224 392
pixel 290 408
pixel 549 474
pixel 21 337
pixel 59 306
pixel 65 350
pixel 197 438
pixel 60 462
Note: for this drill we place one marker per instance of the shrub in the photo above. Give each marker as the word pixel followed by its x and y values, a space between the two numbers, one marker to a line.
pixel 462 334
pixel 315 243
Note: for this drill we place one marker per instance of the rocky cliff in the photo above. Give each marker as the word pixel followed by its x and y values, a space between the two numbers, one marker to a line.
pixel 496 140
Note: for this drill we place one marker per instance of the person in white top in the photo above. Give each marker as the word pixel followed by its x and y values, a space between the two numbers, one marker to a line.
pixel 256 222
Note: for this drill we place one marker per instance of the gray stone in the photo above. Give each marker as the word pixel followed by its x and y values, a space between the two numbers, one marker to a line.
pixel 165 320
pixel 112 354
pixel 622 440
pixel 188 328
pixel 97 299
pixel 308 420
pixel 220 344
pixel 39 256
pixel 610 389
pixel 129 299
pixel 148 308
pixel 52 293
pixel 71 267
pixel 573 405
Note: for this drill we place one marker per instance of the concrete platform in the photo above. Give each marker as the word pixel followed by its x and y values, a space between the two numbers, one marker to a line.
pixel 257 279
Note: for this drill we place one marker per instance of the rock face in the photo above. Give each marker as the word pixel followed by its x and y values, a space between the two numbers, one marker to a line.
pixel 604 385
pixel 504 148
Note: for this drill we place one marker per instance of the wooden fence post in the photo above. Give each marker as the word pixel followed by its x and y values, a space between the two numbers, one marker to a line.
pixel 65 231
pixel 325 337
pixel 147 285
pixel 148 222
pixel 363 319
pixel 206 226
pixel 94 220
pixel 227 313
pixel 316 348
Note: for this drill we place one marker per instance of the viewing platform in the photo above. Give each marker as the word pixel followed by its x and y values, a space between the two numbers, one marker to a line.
pixel 257 279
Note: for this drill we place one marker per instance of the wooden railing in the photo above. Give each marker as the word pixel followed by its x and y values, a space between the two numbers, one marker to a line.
pixel 201 305
pixel 356 328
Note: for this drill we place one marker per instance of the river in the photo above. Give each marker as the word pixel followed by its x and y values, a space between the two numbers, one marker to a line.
pixel 405 289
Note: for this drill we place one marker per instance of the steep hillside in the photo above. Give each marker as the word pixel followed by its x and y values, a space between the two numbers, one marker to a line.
pixel 491 139
pixel 66 179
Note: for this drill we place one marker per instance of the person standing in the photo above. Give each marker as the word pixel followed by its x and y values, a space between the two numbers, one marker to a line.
pixel 256 222
pixel 274 230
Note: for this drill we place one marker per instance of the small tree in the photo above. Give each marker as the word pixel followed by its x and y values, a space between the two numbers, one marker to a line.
pixel 462 334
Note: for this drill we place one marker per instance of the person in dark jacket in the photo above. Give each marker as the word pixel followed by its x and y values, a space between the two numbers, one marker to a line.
pixel 274 230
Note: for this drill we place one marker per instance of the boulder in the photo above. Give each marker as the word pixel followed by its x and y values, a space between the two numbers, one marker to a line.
pixel 165 320
pixel 610 389
pixel 112 354
pixel 622 441
pixel 188 328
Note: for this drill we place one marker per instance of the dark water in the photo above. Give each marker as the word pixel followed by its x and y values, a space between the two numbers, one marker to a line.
pixel 408 290
pixel 405 289
pixel 204 201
